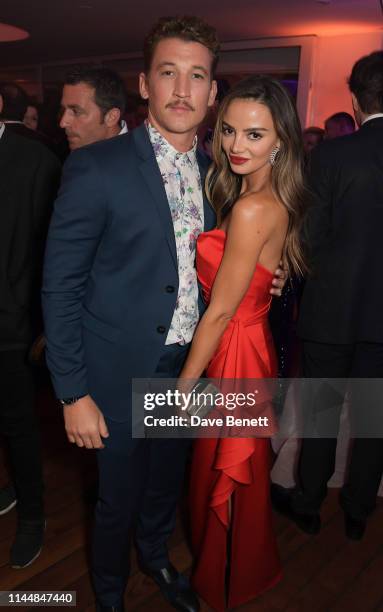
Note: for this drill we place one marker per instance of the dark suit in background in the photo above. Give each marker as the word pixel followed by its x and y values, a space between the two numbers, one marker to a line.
pixel 341 318
pixel 18 127
pixel 109 293
pixel 29 179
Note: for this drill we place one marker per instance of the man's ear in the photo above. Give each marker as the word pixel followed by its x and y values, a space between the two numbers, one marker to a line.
pixel 143 86
pixel 213 93
pixel 112 117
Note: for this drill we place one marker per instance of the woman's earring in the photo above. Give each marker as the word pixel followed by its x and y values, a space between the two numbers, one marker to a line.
pixel 273 155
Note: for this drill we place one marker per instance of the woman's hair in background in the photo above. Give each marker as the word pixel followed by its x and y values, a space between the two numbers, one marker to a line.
pixel 223 187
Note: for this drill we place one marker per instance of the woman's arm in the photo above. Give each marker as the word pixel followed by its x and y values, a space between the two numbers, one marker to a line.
pixel 250 228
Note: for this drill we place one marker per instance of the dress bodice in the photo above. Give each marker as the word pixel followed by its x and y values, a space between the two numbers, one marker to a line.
pixel 255 304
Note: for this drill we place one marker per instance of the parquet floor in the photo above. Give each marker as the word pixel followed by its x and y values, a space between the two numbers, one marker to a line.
pixel 322 573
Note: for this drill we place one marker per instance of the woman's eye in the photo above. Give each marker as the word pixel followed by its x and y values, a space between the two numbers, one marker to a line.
pixel 167 72
pixel 197 75
pixel 254 136
pixel 226 131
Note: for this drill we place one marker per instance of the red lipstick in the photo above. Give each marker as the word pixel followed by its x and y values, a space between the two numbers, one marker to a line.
pixel 237 161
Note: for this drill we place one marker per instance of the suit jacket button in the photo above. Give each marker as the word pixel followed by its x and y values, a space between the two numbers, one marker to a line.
pixel 169 289
pixel 161 329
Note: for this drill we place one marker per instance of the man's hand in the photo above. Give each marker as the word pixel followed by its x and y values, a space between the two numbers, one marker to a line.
pixel 85 424
pixel 279 280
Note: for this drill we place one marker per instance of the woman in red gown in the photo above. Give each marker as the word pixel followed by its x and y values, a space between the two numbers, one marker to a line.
pixel 255 185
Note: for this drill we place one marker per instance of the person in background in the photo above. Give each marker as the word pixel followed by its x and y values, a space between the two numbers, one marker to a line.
pixel 136 111
pixel 93 103
pixel 339 124
pixel 31 117
pixel 15 104
pixel 312 136
pixel 89 92
pixel 340 320
pixel 29 179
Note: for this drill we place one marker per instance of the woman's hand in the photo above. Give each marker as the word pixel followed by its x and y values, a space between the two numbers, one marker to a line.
pixel 279 280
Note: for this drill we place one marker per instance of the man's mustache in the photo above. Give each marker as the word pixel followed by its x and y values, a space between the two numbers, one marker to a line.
pixel 180 105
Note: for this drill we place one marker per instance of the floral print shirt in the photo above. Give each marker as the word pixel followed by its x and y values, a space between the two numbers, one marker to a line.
pixel 182 182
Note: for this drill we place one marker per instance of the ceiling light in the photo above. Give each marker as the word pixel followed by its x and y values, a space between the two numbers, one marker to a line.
pixel 9 33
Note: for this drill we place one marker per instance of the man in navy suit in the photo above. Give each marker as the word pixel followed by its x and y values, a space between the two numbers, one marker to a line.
pixel 121 300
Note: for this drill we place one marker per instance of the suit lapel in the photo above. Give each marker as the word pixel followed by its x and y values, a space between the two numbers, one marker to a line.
pixel 152 177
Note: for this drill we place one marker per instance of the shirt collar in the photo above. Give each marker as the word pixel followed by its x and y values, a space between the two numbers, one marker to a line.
pixel 162 148
pixel 124 128
pixel 2 128
pixel 375 116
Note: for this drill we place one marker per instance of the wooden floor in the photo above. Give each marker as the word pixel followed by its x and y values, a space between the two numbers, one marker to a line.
pixel 325 572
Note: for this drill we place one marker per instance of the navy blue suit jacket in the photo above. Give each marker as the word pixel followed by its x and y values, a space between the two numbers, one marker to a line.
pixel 110 269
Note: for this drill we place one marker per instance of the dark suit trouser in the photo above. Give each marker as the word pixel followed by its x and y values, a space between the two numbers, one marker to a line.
pixel 317 457
pixel 18 425
pixel 139 484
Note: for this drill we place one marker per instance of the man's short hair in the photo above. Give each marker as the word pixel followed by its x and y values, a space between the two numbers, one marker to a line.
pixel 186 28
pixel 109 88
pixel 317 131
pixel 366 82
pixel 342 117
pixel 15 101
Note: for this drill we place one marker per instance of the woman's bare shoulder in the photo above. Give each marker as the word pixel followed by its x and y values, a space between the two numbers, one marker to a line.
pixel 255 208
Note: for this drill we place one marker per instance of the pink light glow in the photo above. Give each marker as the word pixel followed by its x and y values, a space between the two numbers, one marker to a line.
pixel 330 28
pixel 9 33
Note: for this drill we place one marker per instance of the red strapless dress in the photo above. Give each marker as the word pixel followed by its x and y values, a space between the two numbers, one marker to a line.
pixel 234 467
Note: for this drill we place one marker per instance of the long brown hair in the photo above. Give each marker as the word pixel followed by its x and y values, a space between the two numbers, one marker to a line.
pixel 223 187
